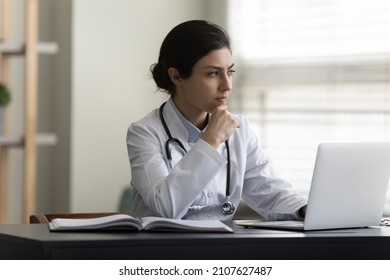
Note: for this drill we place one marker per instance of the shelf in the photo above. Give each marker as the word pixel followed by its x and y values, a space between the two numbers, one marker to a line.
pixel 29 139
pixel 19 49
pixel 42 139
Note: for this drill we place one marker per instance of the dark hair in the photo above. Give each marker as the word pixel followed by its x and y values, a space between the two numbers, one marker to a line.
pixel 183 47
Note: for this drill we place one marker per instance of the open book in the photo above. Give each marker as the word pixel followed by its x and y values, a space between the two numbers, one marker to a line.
pixel 123 221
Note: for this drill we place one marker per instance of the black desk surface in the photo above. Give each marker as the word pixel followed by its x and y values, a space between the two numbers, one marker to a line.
pixel 34 241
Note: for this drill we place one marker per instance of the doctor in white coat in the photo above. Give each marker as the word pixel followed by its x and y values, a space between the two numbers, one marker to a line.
pixel 191 158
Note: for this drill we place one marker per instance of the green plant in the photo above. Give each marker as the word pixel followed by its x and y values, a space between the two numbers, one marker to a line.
pixel 5 95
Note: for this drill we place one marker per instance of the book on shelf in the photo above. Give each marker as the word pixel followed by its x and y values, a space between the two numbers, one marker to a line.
pixel 128 222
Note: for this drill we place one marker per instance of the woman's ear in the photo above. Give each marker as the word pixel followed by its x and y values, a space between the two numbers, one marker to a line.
pixel 174 75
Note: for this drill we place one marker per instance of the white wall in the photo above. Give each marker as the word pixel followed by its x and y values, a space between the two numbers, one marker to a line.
pixel 113 45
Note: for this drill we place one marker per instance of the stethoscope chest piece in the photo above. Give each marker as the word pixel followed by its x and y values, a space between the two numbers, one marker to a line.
pixel 228 208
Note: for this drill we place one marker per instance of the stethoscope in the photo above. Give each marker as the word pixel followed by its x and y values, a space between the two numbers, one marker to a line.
pixel 227 207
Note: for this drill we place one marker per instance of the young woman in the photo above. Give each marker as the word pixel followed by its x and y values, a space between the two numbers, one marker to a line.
pixel 191 158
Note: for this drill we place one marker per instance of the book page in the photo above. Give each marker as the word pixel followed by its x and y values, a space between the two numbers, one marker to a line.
pixel 159 223
pixel 119 220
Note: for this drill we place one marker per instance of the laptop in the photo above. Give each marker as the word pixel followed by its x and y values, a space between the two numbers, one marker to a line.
pixel 348 188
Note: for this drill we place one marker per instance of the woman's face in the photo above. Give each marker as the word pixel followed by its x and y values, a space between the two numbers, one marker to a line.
pixel 209 85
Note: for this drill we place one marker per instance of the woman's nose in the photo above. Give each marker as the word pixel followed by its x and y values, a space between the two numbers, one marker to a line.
pixel 226 83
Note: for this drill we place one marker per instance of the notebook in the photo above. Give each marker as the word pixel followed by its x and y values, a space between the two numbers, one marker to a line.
pixel 348 188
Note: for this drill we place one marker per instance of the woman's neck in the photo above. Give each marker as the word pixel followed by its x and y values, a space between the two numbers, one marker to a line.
pixel 197 118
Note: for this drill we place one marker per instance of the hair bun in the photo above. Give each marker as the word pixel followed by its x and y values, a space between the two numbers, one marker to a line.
pixel 161 78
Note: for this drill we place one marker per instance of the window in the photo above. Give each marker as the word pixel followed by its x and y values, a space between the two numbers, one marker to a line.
pixel 311 71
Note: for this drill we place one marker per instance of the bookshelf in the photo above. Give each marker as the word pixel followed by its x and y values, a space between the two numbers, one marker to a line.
pixel 29 49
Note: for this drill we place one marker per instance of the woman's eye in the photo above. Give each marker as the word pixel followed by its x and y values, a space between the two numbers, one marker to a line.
pixel 231 72
pixel 214 73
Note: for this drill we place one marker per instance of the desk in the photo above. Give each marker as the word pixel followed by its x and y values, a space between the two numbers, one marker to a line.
pixel 34 241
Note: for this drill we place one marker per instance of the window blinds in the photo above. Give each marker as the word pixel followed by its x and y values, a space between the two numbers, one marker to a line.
pixel 284 29
pixel 311 71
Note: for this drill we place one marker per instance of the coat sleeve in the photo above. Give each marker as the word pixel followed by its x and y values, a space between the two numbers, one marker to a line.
pixel 264 190
pixel 168 193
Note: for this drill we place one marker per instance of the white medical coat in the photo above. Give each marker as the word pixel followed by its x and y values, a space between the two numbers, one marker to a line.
pixel 199 176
